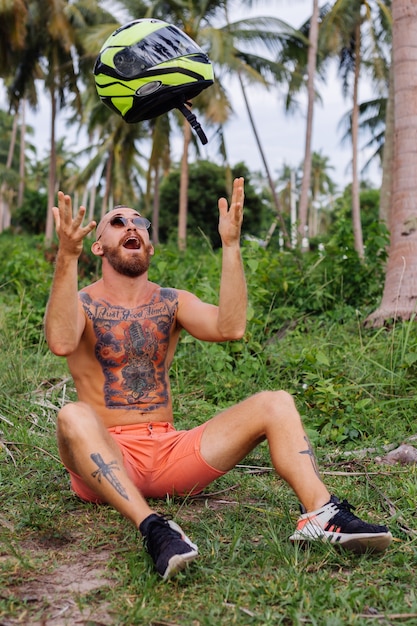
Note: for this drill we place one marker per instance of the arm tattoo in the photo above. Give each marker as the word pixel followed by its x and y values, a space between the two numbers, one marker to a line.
pixel 310 453
pixel 106 470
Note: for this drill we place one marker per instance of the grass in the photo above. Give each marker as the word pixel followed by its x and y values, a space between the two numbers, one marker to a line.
pixel 65 562
pixel 247 572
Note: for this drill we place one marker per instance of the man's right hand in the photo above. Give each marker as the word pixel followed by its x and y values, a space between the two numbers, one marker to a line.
pixel 69 229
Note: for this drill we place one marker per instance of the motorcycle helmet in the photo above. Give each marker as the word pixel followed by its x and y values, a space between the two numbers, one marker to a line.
pixel 148 67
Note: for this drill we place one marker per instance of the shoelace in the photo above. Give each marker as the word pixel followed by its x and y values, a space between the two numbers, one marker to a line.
pixel 159 531
pixel 344 512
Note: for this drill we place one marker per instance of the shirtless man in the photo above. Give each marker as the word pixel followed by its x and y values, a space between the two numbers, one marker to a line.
pixel 119 336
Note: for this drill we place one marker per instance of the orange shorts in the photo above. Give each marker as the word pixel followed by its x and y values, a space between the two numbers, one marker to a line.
pixel 159 460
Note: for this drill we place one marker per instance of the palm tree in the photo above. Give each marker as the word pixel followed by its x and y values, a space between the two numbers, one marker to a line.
pixel 388 153
pixel 53 52
pixel 341 32
pixel 321 186
pixel 344 31
pixel 113 166
pixel 12 39
pixel 115 161
pixel 50 37
pixel 9 177
pixel 275 197
pixel 13 17
pixel 399 299
pixel 235 47
pixel 159 159
pixel 311 74
pixel 372 121
pixel 376 117
pixel 228 47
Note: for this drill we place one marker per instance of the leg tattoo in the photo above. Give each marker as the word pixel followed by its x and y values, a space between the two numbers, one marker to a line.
pixel 310 453
pixel 106 470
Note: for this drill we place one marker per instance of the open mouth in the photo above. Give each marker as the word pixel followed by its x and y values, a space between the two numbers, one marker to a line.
pixel 132 243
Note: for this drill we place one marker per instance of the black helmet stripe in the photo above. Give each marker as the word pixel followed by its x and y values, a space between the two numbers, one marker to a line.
pixel 149 67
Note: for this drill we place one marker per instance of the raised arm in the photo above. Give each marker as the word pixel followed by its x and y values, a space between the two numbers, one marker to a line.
pixel 64 320
pixel 227 320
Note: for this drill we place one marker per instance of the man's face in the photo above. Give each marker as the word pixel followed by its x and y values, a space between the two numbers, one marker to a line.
pixel 125 244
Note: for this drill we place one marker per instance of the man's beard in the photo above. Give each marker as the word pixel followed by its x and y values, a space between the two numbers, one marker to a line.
pixel 132 266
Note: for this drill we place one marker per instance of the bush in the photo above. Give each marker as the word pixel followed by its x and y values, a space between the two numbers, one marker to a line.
pixel 207 183
pixel 303 317
pixel 31 216
pixel 25 280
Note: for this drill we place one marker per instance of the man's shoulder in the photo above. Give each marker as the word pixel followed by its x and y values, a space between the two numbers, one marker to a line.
pixel 167 293
pixel 90 289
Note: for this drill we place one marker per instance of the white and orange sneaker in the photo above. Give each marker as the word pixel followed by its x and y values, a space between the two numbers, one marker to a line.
pixel 336 523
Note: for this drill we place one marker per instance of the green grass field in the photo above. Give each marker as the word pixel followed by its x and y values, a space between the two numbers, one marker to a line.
pixel 64 562
pixel 247 572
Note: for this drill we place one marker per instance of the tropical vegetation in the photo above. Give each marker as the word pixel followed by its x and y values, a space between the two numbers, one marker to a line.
pixel 315 273
pixel 256 50
pixel 65 562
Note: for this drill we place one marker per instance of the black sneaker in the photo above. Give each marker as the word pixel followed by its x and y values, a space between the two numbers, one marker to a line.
pixel 169 547
pixel 336 523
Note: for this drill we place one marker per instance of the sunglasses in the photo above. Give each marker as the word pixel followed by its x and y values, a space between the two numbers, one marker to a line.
pixel 118 221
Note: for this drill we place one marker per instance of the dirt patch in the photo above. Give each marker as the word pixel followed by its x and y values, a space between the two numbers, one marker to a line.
pixel 66 595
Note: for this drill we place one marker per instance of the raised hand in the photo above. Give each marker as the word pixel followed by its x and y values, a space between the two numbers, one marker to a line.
pixel 69 229
pixel 230 222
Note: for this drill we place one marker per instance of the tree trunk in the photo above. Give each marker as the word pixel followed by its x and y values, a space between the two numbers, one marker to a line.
pixel 92 200
pixel 399 299
pixel 388 156
pixel 183 199
pixel 356 211
pixel 268 174
pixel 311 73
pixel 155 206
pixel 52 173
pixel 106 196
pixel 5 192
pixel 313 218
pixel 22 154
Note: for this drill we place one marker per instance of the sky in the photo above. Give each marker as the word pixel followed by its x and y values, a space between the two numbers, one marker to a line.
pixel 282 135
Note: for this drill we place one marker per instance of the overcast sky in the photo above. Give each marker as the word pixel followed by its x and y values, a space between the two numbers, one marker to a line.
pixel 282 136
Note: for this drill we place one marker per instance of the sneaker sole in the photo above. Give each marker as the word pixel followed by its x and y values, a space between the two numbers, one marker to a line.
pixel 359 543
pixel 178 562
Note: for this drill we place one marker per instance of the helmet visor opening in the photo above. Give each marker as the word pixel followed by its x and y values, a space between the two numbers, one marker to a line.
pixel 162 45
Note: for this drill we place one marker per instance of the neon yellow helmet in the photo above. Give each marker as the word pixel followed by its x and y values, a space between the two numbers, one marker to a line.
pixel 148 67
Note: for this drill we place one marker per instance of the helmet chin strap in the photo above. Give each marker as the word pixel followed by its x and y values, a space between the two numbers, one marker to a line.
pixel 192 120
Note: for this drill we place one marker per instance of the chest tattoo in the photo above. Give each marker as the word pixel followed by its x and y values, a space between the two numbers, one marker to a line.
pixel 132 347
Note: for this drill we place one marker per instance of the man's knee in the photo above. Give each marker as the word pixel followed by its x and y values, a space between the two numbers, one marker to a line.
pixel 278 405
pixel 71 416
pixel 277 399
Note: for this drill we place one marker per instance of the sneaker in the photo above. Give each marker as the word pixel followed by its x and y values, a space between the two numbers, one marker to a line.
pixel 169 547
pixel 336 523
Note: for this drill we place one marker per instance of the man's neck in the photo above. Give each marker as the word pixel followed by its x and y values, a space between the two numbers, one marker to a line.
pixel 124 290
